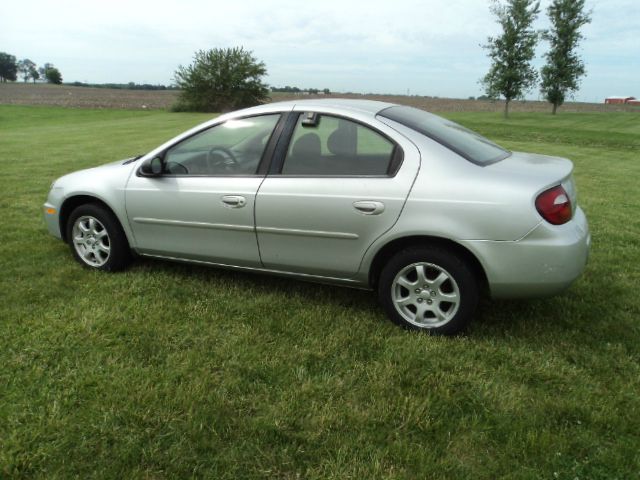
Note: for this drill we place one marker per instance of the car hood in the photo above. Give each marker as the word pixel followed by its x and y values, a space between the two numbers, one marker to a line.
pixel 109 170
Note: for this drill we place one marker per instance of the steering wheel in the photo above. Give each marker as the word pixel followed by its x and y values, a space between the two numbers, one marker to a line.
pixel 222 157
pixel 176 168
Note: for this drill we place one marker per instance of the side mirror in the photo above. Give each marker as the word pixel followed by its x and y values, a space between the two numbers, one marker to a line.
pixel 151 167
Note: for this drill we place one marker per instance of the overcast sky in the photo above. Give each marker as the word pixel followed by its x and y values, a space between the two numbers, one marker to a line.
pixel 425 47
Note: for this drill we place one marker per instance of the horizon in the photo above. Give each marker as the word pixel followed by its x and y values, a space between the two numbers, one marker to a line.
pixel 303 92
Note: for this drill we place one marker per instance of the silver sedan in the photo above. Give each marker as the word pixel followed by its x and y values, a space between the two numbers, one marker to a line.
pixel 352 192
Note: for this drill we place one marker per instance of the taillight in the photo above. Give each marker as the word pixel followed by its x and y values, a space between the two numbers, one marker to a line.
pixel 554 205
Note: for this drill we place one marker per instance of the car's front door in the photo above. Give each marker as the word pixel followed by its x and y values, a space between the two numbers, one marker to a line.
pixel 341 185
pixel 201 207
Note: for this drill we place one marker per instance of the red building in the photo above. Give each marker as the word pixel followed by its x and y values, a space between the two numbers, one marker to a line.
pixel 619 100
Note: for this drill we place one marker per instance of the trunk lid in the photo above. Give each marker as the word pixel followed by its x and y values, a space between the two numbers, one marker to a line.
pixel 538 172
pixel 531 165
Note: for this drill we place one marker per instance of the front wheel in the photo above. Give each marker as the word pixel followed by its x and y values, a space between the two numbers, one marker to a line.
pixel 97 239
pixel 429 289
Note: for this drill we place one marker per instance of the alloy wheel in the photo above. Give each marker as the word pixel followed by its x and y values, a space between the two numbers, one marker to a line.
pixel 425 295
pixel 91 241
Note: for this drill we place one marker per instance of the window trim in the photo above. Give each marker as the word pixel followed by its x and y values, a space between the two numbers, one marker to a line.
pixel 396 160
pixel 263 164
pixel 282 146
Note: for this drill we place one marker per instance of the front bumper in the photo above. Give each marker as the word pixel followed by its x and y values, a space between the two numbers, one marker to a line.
pixel 52 220
pixel 52 211
pixel 545 262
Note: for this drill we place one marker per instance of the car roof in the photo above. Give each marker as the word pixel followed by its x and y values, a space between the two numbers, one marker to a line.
pixel 367 106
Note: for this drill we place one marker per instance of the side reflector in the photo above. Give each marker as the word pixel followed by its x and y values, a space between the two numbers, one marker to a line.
pixel 51 211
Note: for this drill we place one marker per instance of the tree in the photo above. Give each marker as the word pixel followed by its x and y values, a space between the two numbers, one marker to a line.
pixel 221 79
pixel 564 67
pixel 53 75
pixel 511 73
pixel 8 67
pixel 33 73
pixel 43 70
pixel 25 68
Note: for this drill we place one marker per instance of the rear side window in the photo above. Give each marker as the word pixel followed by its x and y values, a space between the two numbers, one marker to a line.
pixel 337 147
pixel 466 143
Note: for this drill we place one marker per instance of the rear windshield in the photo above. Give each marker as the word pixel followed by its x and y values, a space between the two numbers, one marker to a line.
pixel 468 144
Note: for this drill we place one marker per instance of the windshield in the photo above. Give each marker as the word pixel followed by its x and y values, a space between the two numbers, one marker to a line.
pixel 464 142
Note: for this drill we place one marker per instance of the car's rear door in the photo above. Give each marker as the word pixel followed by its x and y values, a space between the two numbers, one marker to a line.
pixel 335 187
pixel 201 207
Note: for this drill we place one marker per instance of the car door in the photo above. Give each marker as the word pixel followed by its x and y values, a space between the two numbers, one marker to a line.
pixel 201 207
pixel 337 186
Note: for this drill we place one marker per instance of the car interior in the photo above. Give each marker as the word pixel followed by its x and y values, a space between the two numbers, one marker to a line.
pixel 337 147
pixel 241 158
pixel 330 146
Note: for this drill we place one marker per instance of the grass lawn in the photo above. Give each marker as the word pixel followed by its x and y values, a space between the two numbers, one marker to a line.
pixel 172 371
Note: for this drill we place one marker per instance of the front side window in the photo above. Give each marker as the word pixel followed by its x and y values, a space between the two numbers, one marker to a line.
pixel 337 147
pixel 234 147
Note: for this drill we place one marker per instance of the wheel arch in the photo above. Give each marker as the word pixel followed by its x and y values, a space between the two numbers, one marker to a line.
pixel 388 250
pixel 71 203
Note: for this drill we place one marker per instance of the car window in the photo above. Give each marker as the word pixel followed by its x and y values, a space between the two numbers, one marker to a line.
pixel 338 147
pixel 467 143
pixel 234 147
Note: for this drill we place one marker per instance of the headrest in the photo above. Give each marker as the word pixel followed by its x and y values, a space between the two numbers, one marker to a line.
pixel 308 144
pixel 343 140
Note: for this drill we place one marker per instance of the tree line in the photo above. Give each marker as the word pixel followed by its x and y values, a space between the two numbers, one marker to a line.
pixel 123 86
pixel 312 91
pixel 512 74
pixel 10 68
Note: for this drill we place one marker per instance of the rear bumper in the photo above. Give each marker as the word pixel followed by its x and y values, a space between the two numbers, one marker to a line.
pixel 545 262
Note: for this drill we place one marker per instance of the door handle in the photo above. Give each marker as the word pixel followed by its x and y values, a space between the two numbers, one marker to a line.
pixel 234 201
pixel 369 207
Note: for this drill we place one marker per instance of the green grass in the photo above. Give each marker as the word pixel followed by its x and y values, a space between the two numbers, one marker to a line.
pixel 170 371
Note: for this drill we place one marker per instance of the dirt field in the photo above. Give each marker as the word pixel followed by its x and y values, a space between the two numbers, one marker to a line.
pixel 85 97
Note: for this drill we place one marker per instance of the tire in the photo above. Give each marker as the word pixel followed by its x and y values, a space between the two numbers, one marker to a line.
pixel 429 289
pixel 96 239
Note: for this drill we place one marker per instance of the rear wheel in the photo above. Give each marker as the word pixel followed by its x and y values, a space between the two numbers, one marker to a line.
pixel 97 239
pixel 429 289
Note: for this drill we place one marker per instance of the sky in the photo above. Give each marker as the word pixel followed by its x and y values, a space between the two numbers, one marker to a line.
pixel 420 47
